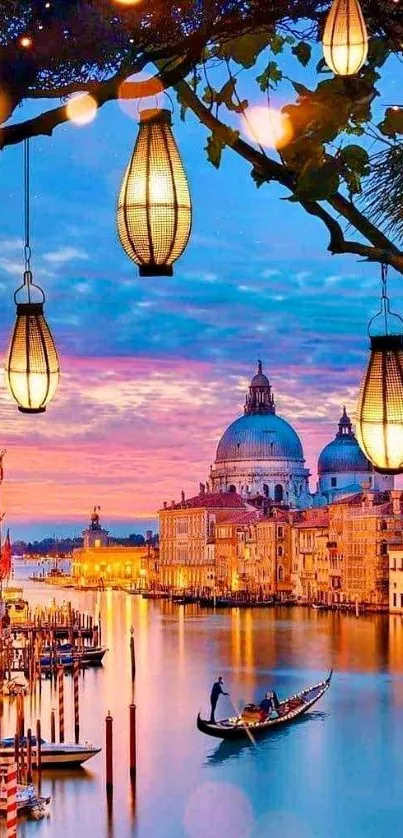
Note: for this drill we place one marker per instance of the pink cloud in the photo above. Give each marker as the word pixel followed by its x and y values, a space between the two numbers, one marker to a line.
pixel 129 433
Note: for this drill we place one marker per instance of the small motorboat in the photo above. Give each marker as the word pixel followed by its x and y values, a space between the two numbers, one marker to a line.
pixel 290 709
pixel 55 754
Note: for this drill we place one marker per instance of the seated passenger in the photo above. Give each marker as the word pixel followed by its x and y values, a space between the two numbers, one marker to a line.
pixel 266 704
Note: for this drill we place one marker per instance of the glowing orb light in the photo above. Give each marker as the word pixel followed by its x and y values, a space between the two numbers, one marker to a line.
pixel 81 109
pixel 267 126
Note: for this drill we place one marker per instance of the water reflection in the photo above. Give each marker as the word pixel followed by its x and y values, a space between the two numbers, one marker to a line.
pixel 179 652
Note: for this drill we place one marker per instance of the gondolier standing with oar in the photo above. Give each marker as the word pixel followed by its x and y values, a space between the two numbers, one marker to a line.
pixel 216 691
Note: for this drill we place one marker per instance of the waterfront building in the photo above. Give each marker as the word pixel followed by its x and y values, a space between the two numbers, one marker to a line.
pixel 255 528
pixel 187 537
pixel 260 453
pixel 396 580
pixel 102 562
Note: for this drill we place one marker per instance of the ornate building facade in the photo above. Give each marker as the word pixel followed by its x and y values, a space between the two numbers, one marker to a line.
pixel 260 453
pixel 255 527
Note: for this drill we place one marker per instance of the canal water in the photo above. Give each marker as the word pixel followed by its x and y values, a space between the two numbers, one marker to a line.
pixel 338 772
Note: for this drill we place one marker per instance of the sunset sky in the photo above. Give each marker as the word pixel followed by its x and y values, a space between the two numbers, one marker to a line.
pixel 154 369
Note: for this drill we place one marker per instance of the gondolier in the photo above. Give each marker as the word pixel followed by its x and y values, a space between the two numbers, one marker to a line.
pixel 216 691
pixel 250 722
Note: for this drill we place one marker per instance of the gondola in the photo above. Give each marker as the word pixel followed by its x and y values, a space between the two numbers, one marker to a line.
pixel 289 710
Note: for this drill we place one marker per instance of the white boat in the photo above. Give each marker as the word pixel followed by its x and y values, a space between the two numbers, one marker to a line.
pixel 56 754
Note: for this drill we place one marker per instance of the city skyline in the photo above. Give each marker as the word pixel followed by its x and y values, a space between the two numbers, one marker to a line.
pixel 153 370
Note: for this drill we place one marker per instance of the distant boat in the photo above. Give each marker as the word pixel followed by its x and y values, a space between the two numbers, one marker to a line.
pixel 289 710
pixel 66 655
pixel 53 753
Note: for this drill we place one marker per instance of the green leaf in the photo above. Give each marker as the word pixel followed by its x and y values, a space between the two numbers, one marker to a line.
pixel 377 52
pixel 270 76
pixel 302 52
pixel 300 89
pixel 356 158
pixel 245 49
pixel 225 97
pixel 217 141
pixel 258 178
pixel 214 149
pixel 393 122
pixel 276 43
pixel 317 184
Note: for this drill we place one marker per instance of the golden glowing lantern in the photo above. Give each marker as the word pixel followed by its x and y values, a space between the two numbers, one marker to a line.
pixel 380 404
pixel 32 365
pixel 154 208
pixel 345 39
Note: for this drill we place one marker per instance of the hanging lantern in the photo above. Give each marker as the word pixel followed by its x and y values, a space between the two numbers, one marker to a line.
pixel 345 39
pixel 380 404
pixel 32 365
pixel 154 207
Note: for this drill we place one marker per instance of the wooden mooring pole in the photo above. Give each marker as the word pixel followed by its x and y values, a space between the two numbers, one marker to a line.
pixel 61 703
pixel 132 744
pixel 132 655
pixel 109 752
pixel 29 756
pixel 76 673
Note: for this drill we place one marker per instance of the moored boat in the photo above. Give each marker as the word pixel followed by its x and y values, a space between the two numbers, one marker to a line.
pixel 55 754
pixel 66 655
pixel 288 711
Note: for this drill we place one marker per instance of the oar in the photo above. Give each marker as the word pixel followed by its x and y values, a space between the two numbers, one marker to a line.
pixel 237 710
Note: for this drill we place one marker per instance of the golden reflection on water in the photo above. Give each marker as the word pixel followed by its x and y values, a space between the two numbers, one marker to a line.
pixel 179 652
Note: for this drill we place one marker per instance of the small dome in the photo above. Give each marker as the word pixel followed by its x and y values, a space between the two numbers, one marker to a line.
pixel 259 437
pixel 260 379
pixel 343 454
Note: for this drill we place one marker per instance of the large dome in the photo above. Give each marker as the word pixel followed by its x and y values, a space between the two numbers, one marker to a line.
pixel 343 454
pixel 259 437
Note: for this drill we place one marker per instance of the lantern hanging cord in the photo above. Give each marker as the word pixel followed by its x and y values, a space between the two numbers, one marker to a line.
pixel 384 296
pixel 27 219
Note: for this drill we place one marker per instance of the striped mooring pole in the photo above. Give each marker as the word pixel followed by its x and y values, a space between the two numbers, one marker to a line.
pixel 76 673
pixel 61 703
pixel 11 798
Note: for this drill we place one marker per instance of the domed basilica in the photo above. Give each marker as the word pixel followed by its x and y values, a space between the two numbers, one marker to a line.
pixel 261 454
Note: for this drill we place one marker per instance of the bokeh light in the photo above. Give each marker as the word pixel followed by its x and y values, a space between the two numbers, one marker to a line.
pixel 152 87
pixel 25 41
pixel 81 109
pixel 218 809
pixel 267 126
pixel 127 3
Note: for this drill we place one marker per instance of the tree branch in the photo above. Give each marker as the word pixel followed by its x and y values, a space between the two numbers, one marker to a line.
pixel 102 92
pixel 380 249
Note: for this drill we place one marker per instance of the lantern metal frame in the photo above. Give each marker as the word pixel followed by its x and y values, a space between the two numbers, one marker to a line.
pixel 152 266
pixel 389 343
pixel 31 311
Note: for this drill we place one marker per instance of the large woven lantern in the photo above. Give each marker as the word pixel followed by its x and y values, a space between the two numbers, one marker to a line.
pixel 380 404
pixel 345 39
pixel 154 208
pixel 32 365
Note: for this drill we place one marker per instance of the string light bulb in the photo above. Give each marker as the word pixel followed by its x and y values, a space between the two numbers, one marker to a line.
pixel 380 403
pixel 154 214
pixel 345 39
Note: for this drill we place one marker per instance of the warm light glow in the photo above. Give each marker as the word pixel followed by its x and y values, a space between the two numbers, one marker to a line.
pixel 127 3
pixel 129 91
pixel 154 206
pixel 32 365
pixel 345 39
pixel 267 126
pixel 380 406
pixel 25 41
pixel 81 109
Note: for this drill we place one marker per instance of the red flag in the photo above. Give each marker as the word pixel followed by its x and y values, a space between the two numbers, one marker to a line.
pixel 5 561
